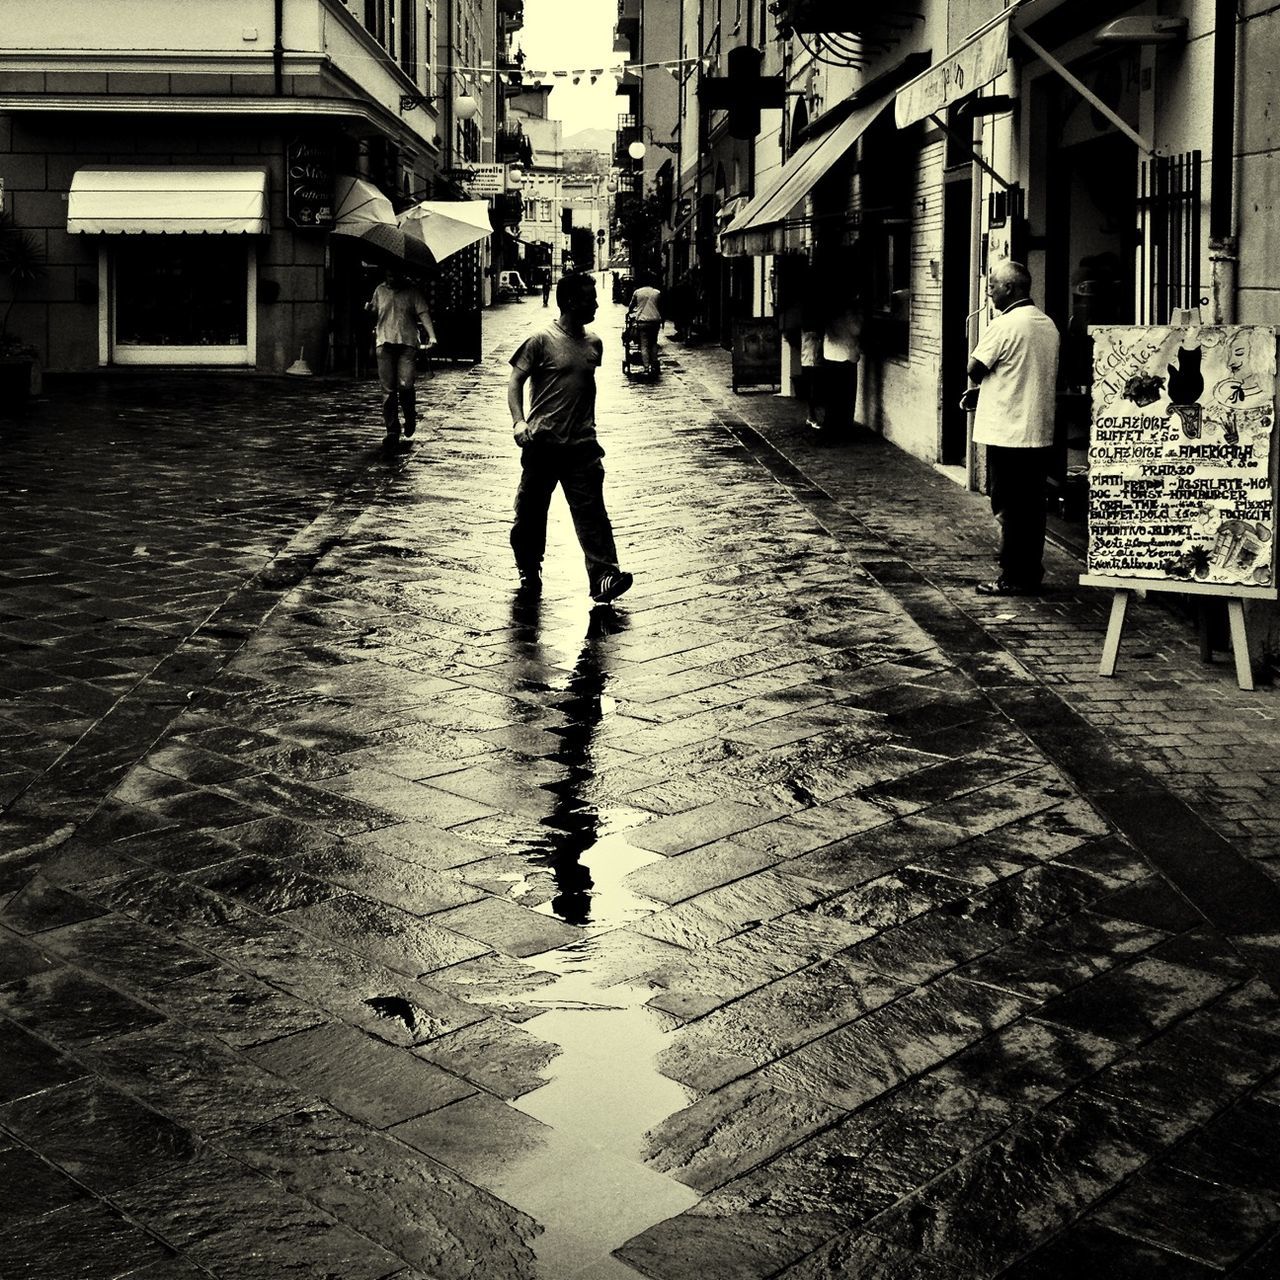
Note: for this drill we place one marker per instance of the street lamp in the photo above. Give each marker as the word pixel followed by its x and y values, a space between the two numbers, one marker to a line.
pixel 464 104
pixel 465 107
pixel 638 149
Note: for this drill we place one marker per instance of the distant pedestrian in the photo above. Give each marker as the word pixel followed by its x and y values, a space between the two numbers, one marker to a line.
pixel 557 439
pixel 400 311
pixel 832 321
pixel 645 312
pixel 1015 365
pixel 546 285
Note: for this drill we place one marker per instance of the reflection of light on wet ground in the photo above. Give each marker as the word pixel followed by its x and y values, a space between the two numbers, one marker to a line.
pixel 584 1183
pixel 577 1166
pixel 608 903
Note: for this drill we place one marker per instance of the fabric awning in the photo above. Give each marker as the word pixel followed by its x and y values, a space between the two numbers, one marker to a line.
pixel 170 202
pixel 755 228
pixel 970 66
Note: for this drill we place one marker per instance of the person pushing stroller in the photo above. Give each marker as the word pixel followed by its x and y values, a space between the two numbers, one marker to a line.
pixel 645 313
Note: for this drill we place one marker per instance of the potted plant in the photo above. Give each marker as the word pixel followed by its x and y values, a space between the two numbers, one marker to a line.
pixel 21 264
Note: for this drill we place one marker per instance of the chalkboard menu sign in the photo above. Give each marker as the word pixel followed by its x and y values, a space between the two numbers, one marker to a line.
pixel 1181 484
pixel 309 183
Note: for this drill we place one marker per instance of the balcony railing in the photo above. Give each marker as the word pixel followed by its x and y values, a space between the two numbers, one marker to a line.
pixel 511 145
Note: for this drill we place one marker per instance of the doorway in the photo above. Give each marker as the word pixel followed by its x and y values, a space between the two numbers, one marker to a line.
pixel 957 273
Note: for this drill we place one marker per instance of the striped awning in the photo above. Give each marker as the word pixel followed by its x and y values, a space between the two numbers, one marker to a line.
pixel 172 202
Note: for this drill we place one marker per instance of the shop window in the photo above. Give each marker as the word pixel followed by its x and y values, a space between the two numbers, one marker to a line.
pixel 181 292
pixel 408 39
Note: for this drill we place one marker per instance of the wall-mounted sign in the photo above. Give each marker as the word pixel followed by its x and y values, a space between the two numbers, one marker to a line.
pixel 1181 485
pixel 480 180
pixel 309 183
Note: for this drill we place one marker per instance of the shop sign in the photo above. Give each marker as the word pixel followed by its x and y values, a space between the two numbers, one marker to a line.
pixel 1181 486
pixel 481 180
pixel 309 183
pixel 961 72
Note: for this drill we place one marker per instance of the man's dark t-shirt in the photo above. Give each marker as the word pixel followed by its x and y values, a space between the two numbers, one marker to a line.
pixel 562 384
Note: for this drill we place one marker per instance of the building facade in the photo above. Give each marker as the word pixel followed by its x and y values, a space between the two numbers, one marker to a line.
pixel 179 175
pixel 1106 144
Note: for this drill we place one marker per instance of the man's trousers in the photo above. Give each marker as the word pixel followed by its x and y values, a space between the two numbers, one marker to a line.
pixel 578 470
pixel 1017 480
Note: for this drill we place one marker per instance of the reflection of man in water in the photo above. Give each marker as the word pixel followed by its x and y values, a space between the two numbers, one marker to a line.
pixel 573 825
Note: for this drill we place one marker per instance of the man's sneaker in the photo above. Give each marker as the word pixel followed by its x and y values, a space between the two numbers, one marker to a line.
pixel 530 580
pixel 409 427
pixel 1003 587
pixel 611 586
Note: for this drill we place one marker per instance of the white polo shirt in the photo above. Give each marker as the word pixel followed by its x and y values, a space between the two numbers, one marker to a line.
pixel 1016 402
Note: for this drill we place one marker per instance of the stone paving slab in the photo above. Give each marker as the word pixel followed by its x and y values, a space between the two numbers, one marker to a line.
pixel 802 916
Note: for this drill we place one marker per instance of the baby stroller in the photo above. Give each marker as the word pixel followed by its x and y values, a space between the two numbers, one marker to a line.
pixel 632 350
pixel 633 364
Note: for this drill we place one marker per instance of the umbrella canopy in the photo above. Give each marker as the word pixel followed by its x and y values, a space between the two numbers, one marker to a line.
pixel 382 243
pixel 363 213
pixel 445 226
pixel 358 203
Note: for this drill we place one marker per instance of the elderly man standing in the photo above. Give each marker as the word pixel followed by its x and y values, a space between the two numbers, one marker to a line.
pixel 1015 365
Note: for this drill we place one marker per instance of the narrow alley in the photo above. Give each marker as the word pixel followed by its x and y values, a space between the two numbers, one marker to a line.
pixel 803 915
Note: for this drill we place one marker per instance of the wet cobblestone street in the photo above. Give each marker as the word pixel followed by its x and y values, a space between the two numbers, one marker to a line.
pixel 802 916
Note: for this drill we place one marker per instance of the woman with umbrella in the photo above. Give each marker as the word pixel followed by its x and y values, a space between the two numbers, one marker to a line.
pixel 400 309
pixel 418 239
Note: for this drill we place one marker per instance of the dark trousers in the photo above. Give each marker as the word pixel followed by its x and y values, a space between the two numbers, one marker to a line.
pixel 839 383
pixel 1017 480
pixel 397 372
pixel 647 332
pixel 578 470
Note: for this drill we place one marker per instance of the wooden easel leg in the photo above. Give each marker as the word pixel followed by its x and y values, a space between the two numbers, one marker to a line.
pixel 1205 629
pixel 1115 629
pixel 1240 643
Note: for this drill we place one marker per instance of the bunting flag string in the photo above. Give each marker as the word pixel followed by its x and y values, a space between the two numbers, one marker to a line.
pixel 676 67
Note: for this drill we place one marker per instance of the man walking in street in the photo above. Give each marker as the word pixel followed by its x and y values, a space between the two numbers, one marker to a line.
pixel 557 439
pixel 399 309
pixel 1015 365
pixel 546 285
pixel 645 312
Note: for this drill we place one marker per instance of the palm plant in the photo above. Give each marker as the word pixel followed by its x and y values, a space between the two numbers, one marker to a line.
pixel 22 263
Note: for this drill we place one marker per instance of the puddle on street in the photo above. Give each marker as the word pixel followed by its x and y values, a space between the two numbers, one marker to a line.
pixel 582 1177
pixel 585 1183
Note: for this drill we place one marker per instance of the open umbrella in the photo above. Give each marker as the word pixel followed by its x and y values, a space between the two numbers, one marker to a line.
pixel 363 213
pixel 445 226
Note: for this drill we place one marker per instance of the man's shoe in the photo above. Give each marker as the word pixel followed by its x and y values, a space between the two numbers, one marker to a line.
pixel 530 581
pixel 409 429
pixel 611 586
pixel 1002 587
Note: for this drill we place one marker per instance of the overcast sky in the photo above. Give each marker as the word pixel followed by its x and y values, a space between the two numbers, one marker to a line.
pixel 574 33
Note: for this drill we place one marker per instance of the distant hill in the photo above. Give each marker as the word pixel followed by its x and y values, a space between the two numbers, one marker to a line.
pixel 590 140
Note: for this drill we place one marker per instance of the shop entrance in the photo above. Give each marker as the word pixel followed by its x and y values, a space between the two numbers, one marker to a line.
pixel 956 276
pixel 182 300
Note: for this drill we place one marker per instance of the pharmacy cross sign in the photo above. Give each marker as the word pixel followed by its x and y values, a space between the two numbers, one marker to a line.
pixel 744 92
